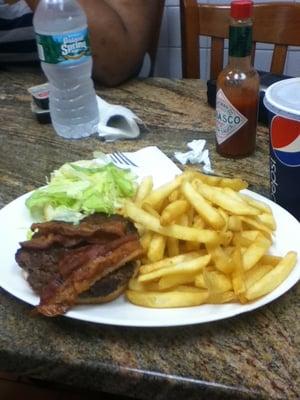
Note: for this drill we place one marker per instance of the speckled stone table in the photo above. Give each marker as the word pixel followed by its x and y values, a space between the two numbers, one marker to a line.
pixel 252 356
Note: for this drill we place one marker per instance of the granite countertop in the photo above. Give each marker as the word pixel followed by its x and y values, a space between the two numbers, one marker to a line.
pixel 252 356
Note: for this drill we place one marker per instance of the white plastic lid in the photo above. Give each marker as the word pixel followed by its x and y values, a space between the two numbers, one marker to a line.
pixel 283 98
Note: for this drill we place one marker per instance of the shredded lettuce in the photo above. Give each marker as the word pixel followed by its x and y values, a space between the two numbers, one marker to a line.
pixel 82 188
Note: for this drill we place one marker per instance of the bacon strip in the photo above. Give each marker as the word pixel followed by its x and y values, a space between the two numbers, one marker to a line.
pixel 97 228
pixel 46 241
pixel 89 226
pixel 78 257
pixel 99 261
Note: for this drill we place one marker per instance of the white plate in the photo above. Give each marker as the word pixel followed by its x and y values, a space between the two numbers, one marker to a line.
pixel 14 223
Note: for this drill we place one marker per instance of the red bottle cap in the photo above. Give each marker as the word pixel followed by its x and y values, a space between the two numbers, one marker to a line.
pixel 241 9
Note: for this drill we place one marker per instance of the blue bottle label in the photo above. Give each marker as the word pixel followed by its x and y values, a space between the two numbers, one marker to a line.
pixel 72 47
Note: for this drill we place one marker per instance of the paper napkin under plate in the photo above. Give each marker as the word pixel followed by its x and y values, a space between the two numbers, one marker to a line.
pixel 151 161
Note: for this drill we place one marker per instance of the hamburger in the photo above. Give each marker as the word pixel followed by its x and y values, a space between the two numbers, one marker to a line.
pixel 86 263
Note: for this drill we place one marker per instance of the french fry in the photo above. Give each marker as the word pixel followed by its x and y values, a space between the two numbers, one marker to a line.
pixel 144 189
pixel 225 238
pixel 199 281
pixel 252 223
pixel 270 259
pixel 209 179
pixel 239 240
pixel 245 238
pixel 233 183
pixel 221 298
pixel 198 222
pixel 216 281
pixel 150 210
pixel 268 220
pixel 260 205
pixel 274 278
pixel 172 245
pixel 227 202
pixel 187 288
pixel 234 223
pixel 168 262
pixel 207 212
pixel 234 195
pixel 226 217
pixel 173 211
pixel 167 299
pixel 183 220
pixel 170 281
pixel 238 275
pixel 191 234
pixel 229 250
pixel 137 286
pixel 156 196
pixel 251 235
pixel 191 246
pixel 204 242
pixel 176 231
pixel 156 247
pixel 190 213
pixel 220 259
pixel 190 266
pixel 145 240
pixel 254 253
pixel 256 273
pixel 174 195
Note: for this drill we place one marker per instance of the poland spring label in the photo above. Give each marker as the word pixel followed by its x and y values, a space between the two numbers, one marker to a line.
pixel 229 119
pixel 68 48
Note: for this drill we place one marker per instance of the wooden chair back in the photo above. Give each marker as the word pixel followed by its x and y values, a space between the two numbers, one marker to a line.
pixel 276 23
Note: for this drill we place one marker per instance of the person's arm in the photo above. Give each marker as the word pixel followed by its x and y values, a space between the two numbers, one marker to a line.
pixel 121 31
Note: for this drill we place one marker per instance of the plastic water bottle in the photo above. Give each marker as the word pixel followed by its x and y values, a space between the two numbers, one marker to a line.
pixel 64 51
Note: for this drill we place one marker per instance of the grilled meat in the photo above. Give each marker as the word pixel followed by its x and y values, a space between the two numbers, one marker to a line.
pixel 66 263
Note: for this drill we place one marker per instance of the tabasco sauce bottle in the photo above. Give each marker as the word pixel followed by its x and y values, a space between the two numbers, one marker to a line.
pixel 238 88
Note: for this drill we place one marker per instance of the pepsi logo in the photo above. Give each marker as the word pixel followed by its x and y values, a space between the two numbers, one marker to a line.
pixel 285 140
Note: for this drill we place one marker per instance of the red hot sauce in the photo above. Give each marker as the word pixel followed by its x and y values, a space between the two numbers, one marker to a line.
pixel 238 89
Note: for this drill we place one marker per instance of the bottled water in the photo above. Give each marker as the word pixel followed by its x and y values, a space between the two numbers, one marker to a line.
pixel 64 51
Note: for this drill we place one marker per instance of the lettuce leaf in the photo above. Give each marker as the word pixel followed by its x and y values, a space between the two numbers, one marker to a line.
pixel 82 188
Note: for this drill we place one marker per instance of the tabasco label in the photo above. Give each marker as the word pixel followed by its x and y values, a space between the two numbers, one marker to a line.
pixel 228 119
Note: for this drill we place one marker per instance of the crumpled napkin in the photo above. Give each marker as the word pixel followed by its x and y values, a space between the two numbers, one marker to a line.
pixel 117 122
pixel 197 155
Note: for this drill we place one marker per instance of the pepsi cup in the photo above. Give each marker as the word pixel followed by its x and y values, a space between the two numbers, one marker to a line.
pixel 282 99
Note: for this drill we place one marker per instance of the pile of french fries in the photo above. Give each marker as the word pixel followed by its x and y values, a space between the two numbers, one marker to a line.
pixel 204 242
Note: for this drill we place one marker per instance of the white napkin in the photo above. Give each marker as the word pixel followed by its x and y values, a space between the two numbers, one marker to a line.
pixel 151 161
pixel 197 155
pixel 117 122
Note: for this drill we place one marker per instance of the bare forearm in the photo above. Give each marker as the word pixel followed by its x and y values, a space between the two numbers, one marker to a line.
pixel 120 33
